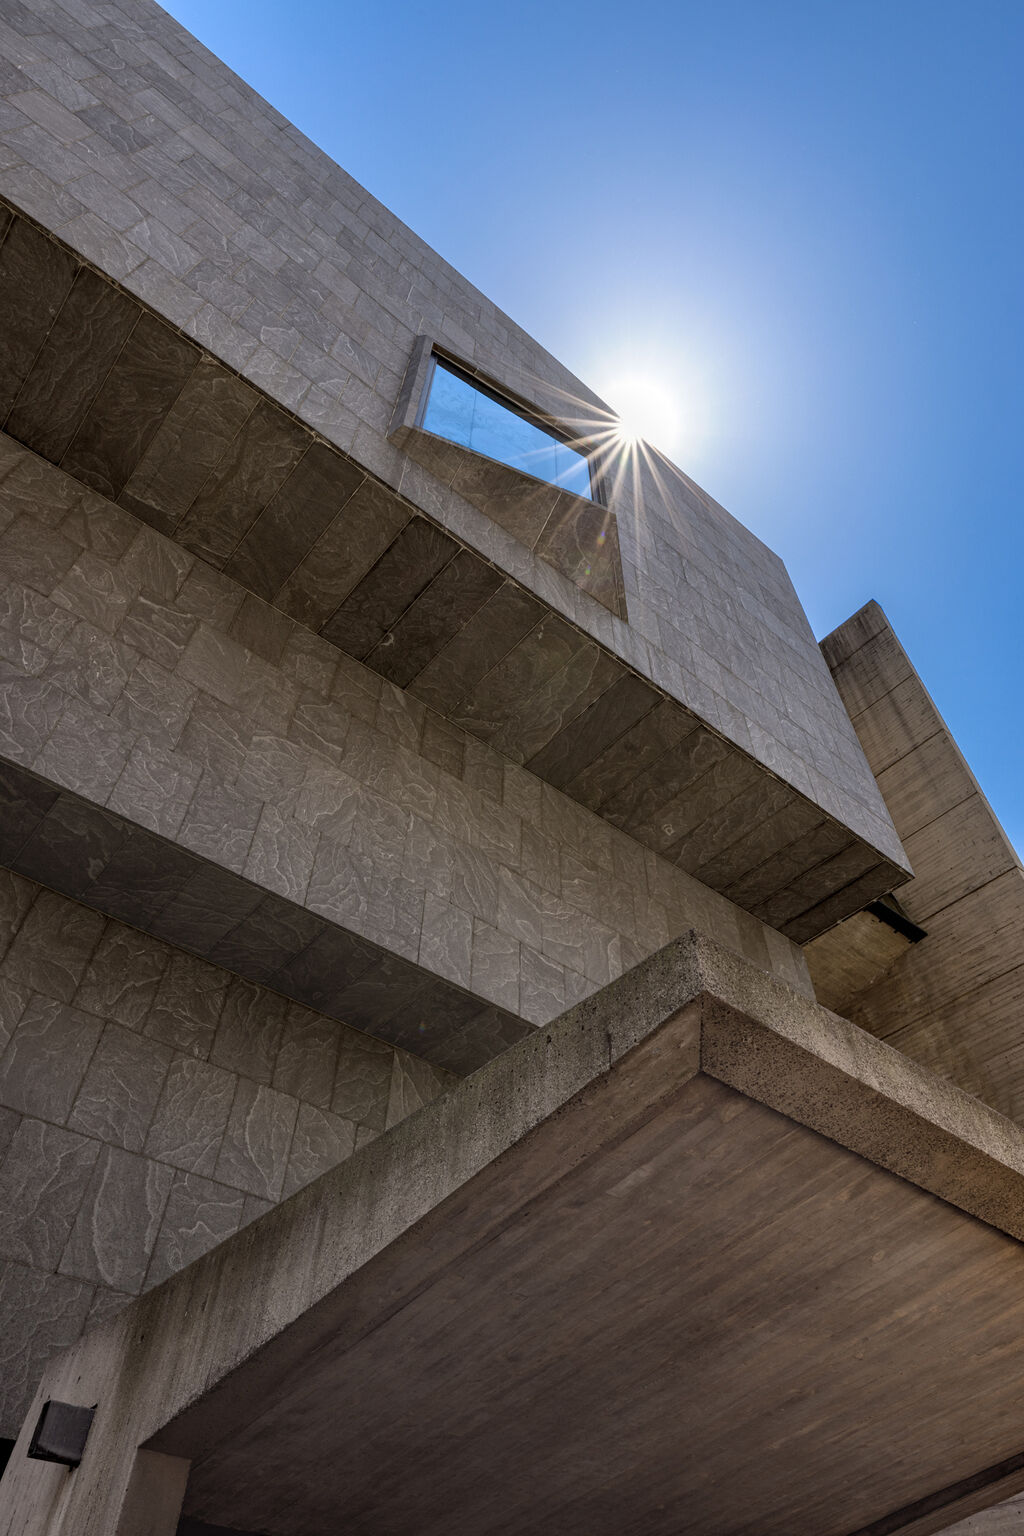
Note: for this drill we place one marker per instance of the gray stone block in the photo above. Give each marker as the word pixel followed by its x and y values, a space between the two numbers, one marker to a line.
pixel 414 1083
pixel 97 592
pixel 155 628
pixel 249 1032
pixel 46 1058
pixel 43 1180
pixel 199 1214
pixel 117 1225
pixel 91 666
pixel 495 966
pixel 220 822
pixel 9 1122
pixel 307 1056
pixel 187 1006
pixel 29 711
pixel 16 897
pixel 37 558
pixel 362 1085
pixel 191 1116
pixel 119 1094
pixel 254 1152
pixel 43 1313
pixel 155 788
pixel 282 855
pixel 71 845
pixel 85 752
pixel 320 1141
pixel 446 940
pixel 542 995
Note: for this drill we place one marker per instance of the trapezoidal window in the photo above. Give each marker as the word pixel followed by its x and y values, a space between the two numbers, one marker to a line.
pixel 468 413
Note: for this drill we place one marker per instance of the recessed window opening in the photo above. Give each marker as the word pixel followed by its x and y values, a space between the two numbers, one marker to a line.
pixel 466 412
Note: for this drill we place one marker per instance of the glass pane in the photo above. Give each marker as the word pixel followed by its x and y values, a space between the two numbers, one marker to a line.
pixel 573 471
pixel 450 407
pixel 459 411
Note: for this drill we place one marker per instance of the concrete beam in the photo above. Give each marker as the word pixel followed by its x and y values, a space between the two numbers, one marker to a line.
pixel 954 1000
pixel 190 1368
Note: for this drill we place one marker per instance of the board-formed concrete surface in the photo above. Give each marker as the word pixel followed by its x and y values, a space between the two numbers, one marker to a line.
pixel 741 1260
pixel 151 161
pixel 955 1000
pixel 1004 1520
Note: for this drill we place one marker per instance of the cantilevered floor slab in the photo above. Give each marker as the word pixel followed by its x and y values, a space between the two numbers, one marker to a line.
pixel 98 384
pixel 700 1257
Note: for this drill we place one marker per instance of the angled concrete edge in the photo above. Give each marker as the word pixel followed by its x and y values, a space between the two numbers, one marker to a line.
pixel 947 1507
pixel 826 1073
pixel 205 1349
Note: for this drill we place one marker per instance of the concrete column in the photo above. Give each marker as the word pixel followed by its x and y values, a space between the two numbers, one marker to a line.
pixel 153 1499
pixel 120 1488
pixel 41 1499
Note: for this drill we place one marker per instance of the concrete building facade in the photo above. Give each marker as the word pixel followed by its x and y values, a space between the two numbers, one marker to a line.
pixel 361 786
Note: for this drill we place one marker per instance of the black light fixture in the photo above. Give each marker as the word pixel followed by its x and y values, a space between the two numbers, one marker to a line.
pixel 61 1433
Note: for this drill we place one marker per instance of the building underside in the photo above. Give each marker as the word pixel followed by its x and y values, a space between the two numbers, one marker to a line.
pixel 499 1030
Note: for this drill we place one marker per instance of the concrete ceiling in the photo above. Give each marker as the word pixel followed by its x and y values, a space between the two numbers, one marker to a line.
pixel 700 1256
pixel 94 382
pixel 724 1324
pixel 751 1282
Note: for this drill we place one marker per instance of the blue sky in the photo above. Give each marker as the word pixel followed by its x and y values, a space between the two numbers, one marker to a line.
pixel 802 222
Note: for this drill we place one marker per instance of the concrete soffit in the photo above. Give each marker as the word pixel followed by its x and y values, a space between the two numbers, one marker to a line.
pixel 99 385
pixel 755 1263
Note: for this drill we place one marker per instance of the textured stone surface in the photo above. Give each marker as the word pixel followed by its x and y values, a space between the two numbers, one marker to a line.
pixel 121 1088
pixel 317 294
pixel 150 1104
pixel 199 1214
pixel 43 1182
pixel 118 1220
pixel 388 586
pixel 320 1141
pixel 258 1135
pixel 295 771
pixel 46 1058
pixel 42 1313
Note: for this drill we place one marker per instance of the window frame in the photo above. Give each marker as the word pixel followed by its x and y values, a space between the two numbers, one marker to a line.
pixel 520 408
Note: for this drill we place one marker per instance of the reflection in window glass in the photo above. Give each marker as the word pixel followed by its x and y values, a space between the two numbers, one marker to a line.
pixel 467 414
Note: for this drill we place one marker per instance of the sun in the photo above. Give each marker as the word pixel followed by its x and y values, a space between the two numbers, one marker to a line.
pixel 647 411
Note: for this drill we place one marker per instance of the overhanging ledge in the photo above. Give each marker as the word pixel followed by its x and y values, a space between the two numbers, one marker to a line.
pixel 692 1050
pixel 498 632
